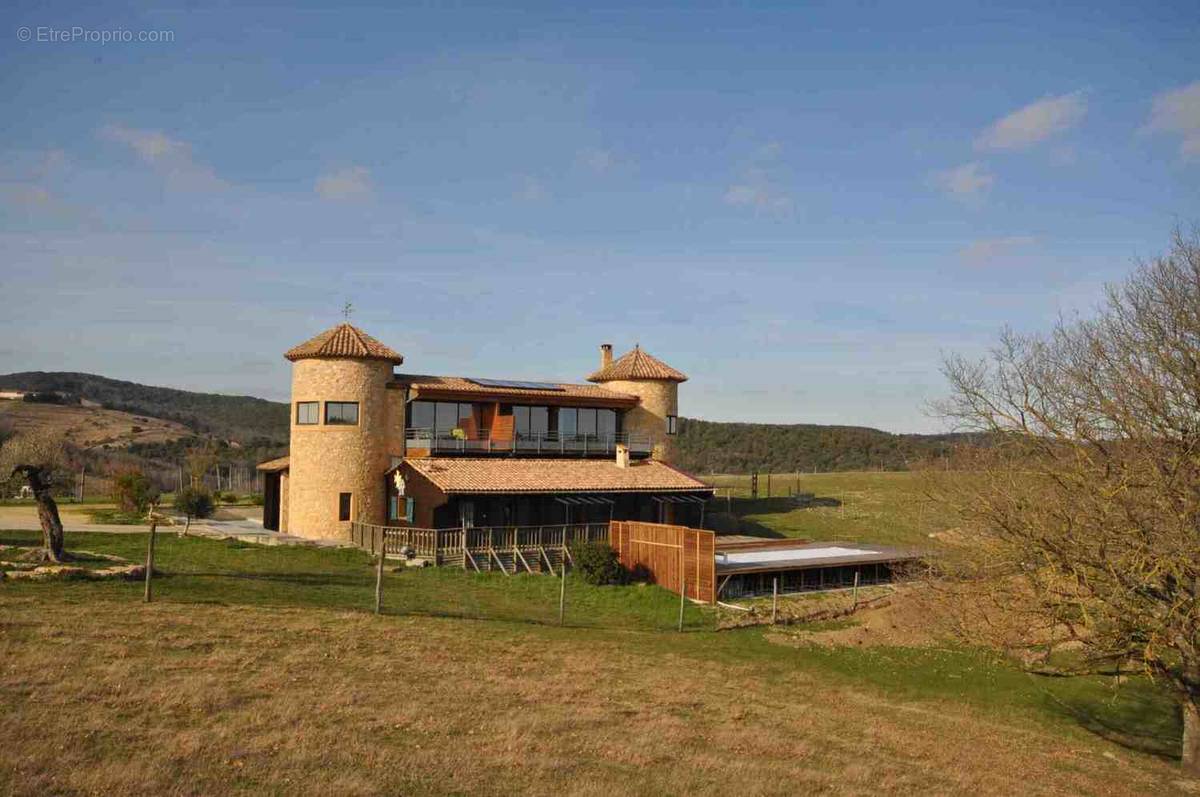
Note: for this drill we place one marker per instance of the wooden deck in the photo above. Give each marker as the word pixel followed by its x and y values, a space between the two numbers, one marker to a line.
pixel 509 549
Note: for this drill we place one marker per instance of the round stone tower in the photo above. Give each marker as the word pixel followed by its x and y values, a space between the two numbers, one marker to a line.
pixel 656 384
pixel 341 441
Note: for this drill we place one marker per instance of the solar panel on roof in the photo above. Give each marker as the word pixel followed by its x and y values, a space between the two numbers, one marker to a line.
pixel 517 384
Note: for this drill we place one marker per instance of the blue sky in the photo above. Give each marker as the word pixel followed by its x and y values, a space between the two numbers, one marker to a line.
pixel 801 206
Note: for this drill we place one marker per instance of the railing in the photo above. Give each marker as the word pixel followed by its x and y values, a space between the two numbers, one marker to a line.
pixel 443 441
pixel 480 544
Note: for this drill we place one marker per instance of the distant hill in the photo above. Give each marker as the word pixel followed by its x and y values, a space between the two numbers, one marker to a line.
pixel 716 447
pixel 260 429
pixel 244 419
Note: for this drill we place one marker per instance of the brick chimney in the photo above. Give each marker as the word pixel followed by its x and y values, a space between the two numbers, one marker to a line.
pixel 605 355
pixel 622 455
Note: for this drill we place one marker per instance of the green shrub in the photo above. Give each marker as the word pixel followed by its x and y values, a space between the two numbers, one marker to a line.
pixel 195 502
pixel 256 499
pixel 132 491
pixel 597 563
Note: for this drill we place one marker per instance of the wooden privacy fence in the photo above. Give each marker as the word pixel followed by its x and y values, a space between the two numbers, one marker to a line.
pixel 671 555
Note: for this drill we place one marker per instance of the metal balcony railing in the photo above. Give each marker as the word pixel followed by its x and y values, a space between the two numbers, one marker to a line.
pixel 456 441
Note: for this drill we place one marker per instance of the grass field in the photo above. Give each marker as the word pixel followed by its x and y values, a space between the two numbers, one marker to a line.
pixel 260 670
pixel 882 507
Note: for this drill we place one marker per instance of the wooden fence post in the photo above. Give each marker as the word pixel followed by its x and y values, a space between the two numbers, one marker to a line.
pixel 379 579
pixel 150 554
pixel 562 593
pixel 682 577
pixel 856 572
pixel 774 599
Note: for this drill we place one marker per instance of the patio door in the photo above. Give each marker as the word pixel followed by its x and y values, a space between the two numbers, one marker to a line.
pixel 466 514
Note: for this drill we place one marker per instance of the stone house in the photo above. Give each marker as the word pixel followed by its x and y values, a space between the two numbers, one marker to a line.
pixel 375 445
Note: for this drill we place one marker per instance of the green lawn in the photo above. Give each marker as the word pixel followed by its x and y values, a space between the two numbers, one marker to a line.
pixel 203 571
pixel 880 507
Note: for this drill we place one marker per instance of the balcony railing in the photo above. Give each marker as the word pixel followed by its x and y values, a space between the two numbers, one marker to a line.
pixel 545 443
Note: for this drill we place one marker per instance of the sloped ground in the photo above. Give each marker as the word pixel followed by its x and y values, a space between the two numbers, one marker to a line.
pixel 251 677
pixel 91 427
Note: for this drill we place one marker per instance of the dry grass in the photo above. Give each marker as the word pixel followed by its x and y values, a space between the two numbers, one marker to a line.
pixel 106 696
pixel 91 427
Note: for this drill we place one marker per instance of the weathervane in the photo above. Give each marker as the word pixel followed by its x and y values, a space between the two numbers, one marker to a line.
pixel 347 310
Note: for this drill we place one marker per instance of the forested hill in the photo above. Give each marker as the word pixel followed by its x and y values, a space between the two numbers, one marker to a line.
pixel 242 418
pixel 716 447
pixel 702 446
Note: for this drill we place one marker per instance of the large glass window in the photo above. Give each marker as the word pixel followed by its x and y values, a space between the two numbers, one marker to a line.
pixel 606 423
pixel 343 413
pixel 308 413
pixel 421 414
pixel 442 416
pixel 568 421
pixel 447 416
pixel 531 420
pixel 587 421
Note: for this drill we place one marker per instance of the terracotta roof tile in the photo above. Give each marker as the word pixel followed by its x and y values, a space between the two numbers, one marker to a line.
pixel 454 475
pixel 637 364
pixel 444 386
pixel 344 340
pixel 274 464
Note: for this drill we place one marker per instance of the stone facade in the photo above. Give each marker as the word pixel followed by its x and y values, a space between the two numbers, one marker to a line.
pixel 327 460
pixel 659 398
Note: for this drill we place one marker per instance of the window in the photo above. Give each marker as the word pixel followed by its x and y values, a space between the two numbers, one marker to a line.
pixel 531 420
pixel 421 414
pixel 447 416
pixel 440 416
pixel 394 504
pixel 308 413
pixel 341 413
pixel 672 424
pixel 343 506
pixel 587 421
pixel 568 421
pixel 606 423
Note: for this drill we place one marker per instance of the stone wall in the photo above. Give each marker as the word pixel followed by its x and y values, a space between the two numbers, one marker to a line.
pixel 283 502
pixel 658 400
pixel 426 497
pixel 328 460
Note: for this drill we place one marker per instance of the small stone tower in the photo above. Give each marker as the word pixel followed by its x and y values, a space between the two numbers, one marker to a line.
pixel 652 381
pixel 346 426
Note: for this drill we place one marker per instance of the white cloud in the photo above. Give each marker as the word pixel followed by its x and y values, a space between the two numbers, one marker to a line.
pixel 965 181
pixel 598 160
pixel 351 183
pixel 985 250
pixel 1178 111
pixel 1033 123
pixel 532 190
pixel 170 157
pixel 757 190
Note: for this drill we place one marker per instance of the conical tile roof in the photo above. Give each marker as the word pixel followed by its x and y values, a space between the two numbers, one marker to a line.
pixel 637 364
pixel 344 341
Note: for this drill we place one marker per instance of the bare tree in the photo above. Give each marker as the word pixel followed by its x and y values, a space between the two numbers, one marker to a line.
pixel 39 459
pixel 200 460
pixel 1082 517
